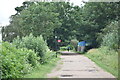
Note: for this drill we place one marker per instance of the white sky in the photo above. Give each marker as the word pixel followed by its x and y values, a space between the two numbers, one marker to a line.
pixel 7 8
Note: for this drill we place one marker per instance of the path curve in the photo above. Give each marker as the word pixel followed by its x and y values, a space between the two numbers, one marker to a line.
pixel 77 66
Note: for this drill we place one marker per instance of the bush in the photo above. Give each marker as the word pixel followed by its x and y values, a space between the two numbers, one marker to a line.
pixel 74 43
pixel 64 48
pixel 16 62
pixel 36 44
pixel 110 39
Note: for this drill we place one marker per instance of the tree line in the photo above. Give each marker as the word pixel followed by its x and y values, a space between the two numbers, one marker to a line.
pixel 94 22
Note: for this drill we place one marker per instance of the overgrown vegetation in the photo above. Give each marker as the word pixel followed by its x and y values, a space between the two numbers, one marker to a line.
pixel 110 38
pixel 17 62
pixel 24 56
pixel 107 55
pixel 36 44
pixel 63 20
pixel 43 70
pixel 97 23
pixel 105 58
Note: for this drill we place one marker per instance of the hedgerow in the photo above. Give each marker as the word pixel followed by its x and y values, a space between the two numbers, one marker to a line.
pixel 23 55
pixel 36 44
pixel 16 62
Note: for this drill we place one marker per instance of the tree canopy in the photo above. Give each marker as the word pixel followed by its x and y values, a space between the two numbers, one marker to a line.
pixel 63 20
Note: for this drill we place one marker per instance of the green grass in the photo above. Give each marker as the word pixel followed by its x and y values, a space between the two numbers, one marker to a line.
pixel 108 60
pixel 79 52
pixel 43 70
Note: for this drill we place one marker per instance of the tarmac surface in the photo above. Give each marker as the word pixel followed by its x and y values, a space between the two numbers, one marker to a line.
pixel 73 65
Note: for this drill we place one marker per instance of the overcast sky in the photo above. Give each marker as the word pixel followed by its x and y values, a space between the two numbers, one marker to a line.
pixel 7 8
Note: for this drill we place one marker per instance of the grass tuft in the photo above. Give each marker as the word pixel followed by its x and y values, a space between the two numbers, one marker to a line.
pixel 43 70
pixel 106 59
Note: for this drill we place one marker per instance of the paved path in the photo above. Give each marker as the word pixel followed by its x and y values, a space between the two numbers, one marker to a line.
pixel 77 66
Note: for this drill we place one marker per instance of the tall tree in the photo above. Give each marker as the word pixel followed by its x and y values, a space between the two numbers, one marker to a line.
pixel 101 14
pixel 39 19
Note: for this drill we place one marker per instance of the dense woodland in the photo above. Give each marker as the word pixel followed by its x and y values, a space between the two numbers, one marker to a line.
pixel 97 23
pixel 94 22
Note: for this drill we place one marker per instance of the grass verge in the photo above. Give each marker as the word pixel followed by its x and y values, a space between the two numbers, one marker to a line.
pixel 43 70
pixel 108 60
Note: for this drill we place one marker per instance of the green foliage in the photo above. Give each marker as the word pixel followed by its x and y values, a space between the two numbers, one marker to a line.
pixel 64 48
pixel 74 43
pixel 36 44
pixel 110 36
pixel 36 18
pixel 110 40
pixel 43 70
pixel 16 62
pixel 63 20
pixel 105 58
pixel 100 14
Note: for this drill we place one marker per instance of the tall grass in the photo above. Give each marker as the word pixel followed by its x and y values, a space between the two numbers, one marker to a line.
pixel 43 70
pixel 105 58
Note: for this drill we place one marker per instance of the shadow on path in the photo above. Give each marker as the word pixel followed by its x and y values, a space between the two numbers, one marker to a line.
pixel 68 53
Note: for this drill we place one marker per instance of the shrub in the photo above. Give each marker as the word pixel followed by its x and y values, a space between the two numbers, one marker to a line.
pixel 64 48
pixel 74 43
pixel 16 62
pixel 36 44
pixel 110 38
